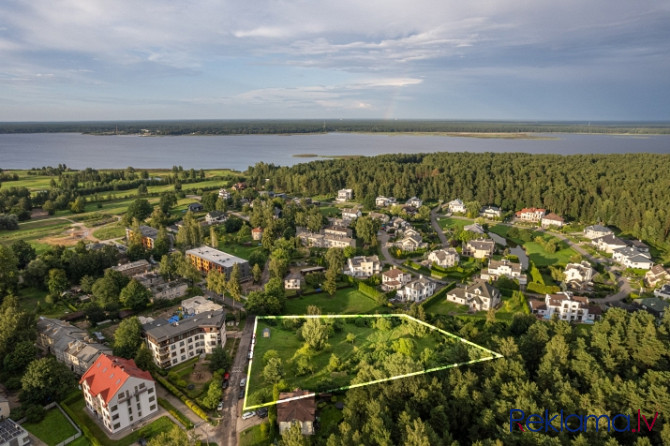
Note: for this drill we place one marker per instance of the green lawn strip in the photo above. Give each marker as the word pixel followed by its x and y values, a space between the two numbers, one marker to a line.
pixel 34 183
pixel 53 429
pixel 236 249
pixel 256 435
pixel 442 306
pixel 455 224
pixel 183 419
pixel 30 297
pixel 344 301
pixel 110 231
pixel 33 231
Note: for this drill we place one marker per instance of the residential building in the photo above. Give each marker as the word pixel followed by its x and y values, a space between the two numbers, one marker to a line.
pixel 206 259
pixel 567 308
pixel 239 186
pixel 417 290
pixel 552 219
pixel 445 258
pixel 292 281
pixel 480 296
pixel 415 202
pixel 214 217
pixel 608 243
pixel 344 195
pixel 337 231
pixel 411 240
pixel 639 245
pixel 196 207
pixel 257 233
pixel 632 258
pixel 172 343
pixel 479 249
pixel 351 213
pixel 149 235
pixel 663 292
pixel 491 212
pixel 399 223
pixel 69 344
pixel 504 268
pixel 531 214
pixel 653 305
pixel 12 433
pixel 596 231
pixel 475 227
pixel 409 210
pixel 160 288
pixel 382 201
pixel 133 268
pixel 362 266
pixel 338 223
pixel 323 240
pixel 456 206
pixel 394 279
pixel 224 194
pixel 578 275
pixel 301 409
pixel 383 218
pixel 118 392
pixel 657 274
pixel 199 304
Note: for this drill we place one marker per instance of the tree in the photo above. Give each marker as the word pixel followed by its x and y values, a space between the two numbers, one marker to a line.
pixel 330 285
pixel 57 281
pixel 78 205
pixel 139 209
pixel 9 271
pixel 46 380
pixel 167 200
pixel 315 333
pixel 293 437
pixel 349 252
pixel 213 238
pixel 144 359
pixel 159 218
pixel 23 354
pixel 211 400
pixel 234 287
pixel 273 371
pixel 208 200
pixel 135 296
pixel 366 229
pixel 351 338
pixel 168 266
pixel 162 243
pixel 219 359
pixel 190 233
pixel 136 249
pixel 275 287
pixel 175 437
pixel 334 363
pixel 128 338
pixel 216 281
pixel 16 325
pixel 24 253
pixel 335 258
pixel 257 273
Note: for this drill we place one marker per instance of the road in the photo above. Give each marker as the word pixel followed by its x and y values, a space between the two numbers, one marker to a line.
pixel 436 226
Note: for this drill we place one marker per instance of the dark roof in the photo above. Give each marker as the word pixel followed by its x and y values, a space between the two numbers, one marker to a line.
pixel 303 409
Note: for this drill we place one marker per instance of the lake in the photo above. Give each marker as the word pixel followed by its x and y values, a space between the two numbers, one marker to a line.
pixel 23 151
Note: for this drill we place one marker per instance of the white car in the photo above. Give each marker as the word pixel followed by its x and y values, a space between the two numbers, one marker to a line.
pixel 247 415
pixel 243 382
pixel 220 406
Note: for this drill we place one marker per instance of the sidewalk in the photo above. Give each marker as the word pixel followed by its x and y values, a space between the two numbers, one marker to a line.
pixel 203 428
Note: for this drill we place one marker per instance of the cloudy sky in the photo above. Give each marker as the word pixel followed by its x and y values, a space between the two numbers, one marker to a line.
pixel 420 59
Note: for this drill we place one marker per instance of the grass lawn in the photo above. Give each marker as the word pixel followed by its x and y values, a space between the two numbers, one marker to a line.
pixel 536 252
pixel 30 297
pixel 258 435
pixel 107 232
pixel 510 307
pixel 241 251
pixel 442 306
pixel 31 231
pixel 53 429
pixel 375 348
pixel 330 211
pixel 344 301
pixel 456 224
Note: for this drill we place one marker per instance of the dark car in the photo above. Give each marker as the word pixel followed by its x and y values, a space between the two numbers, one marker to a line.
pixel 224 384
pixel 241 394
pixel 262 412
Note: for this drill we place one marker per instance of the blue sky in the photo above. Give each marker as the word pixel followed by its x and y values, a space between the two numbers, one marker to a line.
pixel 422 59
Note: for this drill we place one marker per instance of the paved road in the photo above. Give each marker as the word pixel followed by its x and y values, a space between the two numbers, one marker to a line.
pixel 436 226
pixel 383 242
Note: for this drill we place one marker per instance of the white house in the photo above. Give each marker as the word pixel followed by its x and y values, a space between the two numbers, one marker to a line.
pixel 491 212
pixel 394 279
pixel 552 219
pixel 362 266
pixel 199 304
pixel 567 307
pixel 213 217
pixel 531 214
pixel 417 290
pixel 456 206
pixel 382 201
pixel 663 292
pixel 596 231
pixel 351 213
pixel 344 195
pixel 578 274
pixel 292 281
pixel 657 274
pixel 479 249
pixel 224 194
pixel 504 268
pixel 632 258
pixel 608 243
pixel 118 393
pixel 445 258
pixel 410 241
pixel 414 201
pixel 480 296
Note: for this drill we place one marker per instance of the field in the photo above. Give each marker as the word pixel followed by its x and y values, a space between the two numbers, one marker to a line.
pixel 456 224
pixel 344 301
pixel 53 429
pixel 442 306
pixel 536 252
pixel 382 348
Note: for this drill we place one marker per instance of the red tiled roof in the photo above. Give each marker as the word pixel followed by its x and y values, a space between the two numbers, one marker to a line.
pixel 257 230
pixel 532 210
pixel 108 374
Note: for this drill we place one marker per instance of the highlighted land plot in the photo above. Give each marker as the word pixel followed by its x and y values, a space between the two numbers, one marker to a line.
pixel 338 352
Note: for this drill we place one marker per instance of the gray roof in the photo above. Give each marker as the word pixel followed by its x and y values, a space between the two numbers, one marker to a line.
pixel 160 329
pixel 10 430
pixel 653 303
pixel 484 289
pixel 214 255
pixel 148 231
pixel 482 244
pixel 611 239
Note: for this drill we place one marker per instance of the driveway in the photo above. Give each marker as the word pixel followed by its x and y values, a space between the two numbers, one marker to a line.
pixel 436 226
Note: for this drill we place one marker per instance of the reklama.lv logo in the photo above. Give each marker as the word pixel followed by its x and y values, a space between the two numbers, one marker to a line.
pixel 577 423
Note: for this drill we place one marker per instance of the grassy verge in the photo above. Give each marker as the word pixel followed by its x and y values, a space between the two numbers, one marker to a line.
pixel 344 301
pixel 53 429
pixel 165 404
pixel 258 435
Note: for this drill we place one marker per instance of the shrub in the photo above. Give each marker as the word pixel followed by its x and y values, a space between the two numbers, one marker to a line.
pixel 35 413
pixel 165 404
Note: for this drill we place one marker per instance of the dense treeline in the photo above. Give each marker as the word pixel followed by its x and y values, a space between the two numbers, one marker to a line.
pixel 240 127
pixel 620 366
pixel 628 191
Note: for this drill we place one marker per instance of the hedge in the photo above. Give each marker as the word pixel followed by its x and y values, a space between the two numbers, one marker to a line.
pixel 440 294
pixel 165 404
pixel 65 404
pixel 184 399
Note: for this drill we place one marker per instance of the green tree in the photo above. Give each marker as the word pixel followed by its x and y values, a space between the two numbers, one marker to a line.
pixel 219 359
pixel 330 285
pixel 176 436
pixel 22 354
pixel 293 437
pixel 57 281
pixel 24 253
pixel 214 393
pixel 234 287
pixel 9 271
pixel 128 338
pixel 315 333
pixel 335 258
pixel 139 209
pixel 162 243
pixel 213 238
pixel 46 380
pixel 16 325
pixel 78 205
pixel 135 296
pixel 273 371
pixel 257 273
pixel 167 200
pixel 216 281
pixel 144 359
pixel 366 229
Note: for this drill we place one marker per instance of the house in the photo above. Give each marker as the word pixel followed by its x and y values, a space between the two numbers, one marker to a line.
pixel 292 281
pixel 531 214
pixel 417 290
pixel 160 288
pixel 639 245
pixel 301 409
pixel 566 306
pixel 456 206
pixel 383 218
pixel 351 213
pixel 12 433
pixel 344 195
pixel 399 223
pixel 504 268
pixel 596 231
pixel 657 274
pixel 653 305
pixel 206 259
pixel 608 243
pixel 257 233
pixel 240 186
pixel 174 341
pixel 224 194
pixel 415 202
pixel 491 212
pixel 394 279
pixel 199 304
pixel 362 266
pixel 409 210
pixel 69 344
pixel 213 217
pixel 133 268
pixel 323 240
pixel 337 231
pixel 445 258
pixel 382 202
pixel 410 241
pixel 578 275
pixel 632 258
pixel 195 207
pixel 479 249
pixel 149 235
pixel 338 223
pixel 663 292
pixel 480 296
pixel 552 219
pixel 118 393
pixel 475 227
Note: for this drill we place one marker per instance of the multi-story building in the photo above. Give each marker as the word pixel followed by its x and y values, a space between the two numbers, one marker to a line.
pixel 160 288
pixel 632 258
pixel 362 266
pixel 504 268
pixel 479 249
pixel 349 214
pixel 133 268
pixel 213 217
pixel 578 275
pixel 149 235
pixel 566 306
pixel 382 202
pixel 394 279
pixel 415 202
pixel 596 231
pixel 382 218
pixel 337 231
pixel 657 274
pixel 445 258
pixel 491 212
pixel 417 290
pixel 344 195
pixel 480 296
pixel 118 392
pixel 552 219
pixel 456 206
pixel 206 259
pixel 608 243
pixel 323 240
pixel 69 344
pixel 531 214
pixel 224 194
pixel 174 342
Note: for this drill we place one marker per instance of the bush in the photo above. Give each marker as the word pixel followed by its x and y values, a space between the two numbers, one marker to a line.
pixel 541 289
pixel 35 413
pixel 179 394
pixel 165 404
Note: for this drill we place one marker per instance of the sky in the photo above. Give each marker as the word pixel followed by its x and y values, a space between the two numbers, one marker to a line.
pixel 73 60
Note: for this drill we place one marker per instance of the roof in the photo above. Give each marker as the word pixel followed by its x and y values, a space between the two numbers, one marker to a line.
pixel 136 264
pixel 598 228
pixel 495 264
pixel 552 216
pixel 160 329
pixel 303 409
pixel 216 214
pixel 10 430
pixel 476 227
pixel 358 260
pixel 530 210
pixel 484 289
pixel 393 273
pixel 108 374
pixel 657 270
pixel 557 299
pixel 214 255
pixel 442 254
pixel 147 231
pixel 653 303
pixel 256 230
pixel 482 244
pixel 610 239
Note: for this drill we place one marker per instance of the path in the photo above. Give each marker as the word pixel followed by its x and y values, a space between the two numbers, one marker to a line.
pixel 436 226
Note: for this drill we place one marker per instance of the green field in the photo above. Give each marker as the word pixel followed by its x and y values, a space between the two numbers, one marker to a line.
pixel 456 224
pixel 344 301
pixel 442 306
pixel 384 347
pixel 258 435
pixel 53 429
pixel 536 252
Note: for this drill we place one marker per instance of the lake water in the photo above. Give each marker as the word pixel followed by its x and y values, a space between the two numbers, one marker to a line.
pixel 23 151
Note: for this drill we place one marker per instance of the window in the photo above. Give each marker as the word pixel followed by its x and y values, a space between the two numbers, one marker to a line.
pixel 183 357
pixel 152 407
pixel 181 344
pixel 190 340
pixel 173 347
pixel 115 417
pixel 113 408
pixel 152 398
pixel 151 390
pixel 117 425
pixel 130 418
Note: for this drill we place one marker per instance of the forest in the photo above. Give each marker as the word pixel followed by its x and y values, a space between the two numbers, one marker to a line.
pixel 627 191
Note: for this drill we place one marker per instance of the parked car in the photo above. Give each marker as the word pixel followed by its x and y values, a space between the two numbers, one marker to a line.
pixel 224 384
pixel 220 406
pixel 243 382
pixel 241 396
pixel 247 415
pixel 262 412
